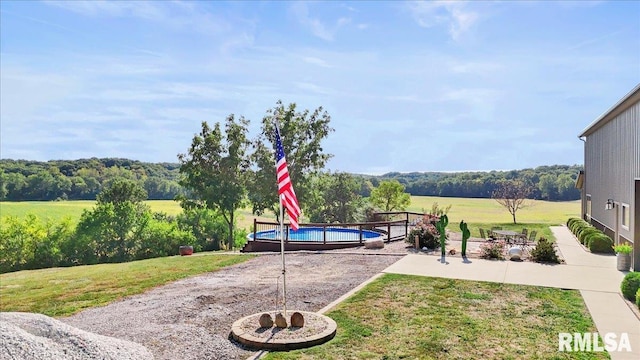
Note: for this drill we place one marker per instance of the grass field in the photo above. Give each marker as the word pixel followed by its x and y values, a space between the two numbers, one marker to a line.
pixel 476 212
pixel 57 210
pixel 65 291
pixel 410 317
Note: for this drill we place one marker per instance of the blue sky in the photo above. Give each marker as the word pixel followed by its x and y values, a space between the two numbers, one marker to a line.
pixel 410 86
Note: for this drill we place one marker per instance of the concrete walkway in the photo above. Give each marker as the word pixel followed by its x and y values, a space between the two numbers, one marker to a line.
pixel 594 275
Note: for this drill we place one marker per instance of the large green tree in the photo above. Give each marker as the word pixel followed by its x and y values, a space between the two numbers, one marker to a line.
pixel 335 198
pixel 302 133
pixel 214 171
pixel 390 196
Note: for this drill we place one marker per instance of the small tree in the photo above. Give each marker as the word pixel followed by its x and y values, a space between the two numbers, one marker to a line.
pixel 390 195
pixel 114 226
pixel 512 194
pixel 215 170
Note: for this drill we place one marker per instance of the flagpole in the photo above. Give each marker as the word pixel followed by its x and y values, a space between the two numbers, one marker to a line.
pixel 284 271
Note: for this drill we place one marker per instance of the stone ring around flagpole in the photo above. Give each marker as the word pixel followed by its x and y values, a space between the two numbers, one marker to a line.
pixel 317 329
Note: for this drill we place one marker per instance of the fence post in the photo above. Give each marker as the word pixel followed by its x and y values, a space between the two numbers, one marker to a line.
pixel 360 231
pixel 255 225
pixel 324 234
pixel 388 232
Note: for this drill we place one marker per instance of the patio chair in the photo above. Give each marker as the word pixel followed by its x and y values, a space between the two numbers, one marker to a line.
pixel 483 234
pixel 532 236
pixel 525 232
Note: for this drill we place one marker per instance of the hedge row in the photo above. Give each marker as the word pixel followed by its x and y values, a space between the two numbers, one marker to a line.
pixel 589 236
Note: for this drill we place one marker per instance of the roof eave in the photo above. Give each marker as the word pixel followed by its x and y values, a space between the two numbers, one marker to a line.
pixel 604 118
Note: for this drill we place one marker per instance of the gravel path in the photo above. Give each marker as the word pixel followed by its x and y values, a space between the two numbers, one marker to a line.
pixel 192 318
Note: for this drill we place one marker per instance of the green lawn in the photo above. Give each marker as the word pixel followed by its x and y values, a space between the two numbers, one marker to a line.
pixel 411 317
pixel 65 291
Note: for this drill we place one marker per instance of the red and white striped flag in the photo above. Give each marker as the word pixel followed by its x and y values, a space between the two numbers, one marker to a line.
pixel 285 188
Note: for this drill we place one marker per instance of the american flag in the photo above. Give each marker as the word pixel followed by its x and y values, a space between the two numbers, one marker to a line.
pixel 285 189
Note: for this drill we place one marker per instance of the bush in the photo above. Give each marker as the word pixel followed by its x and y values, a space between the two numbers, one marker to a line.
pixel 630 285
pixel 579 225
pixel 571 221
pixel 587 232
pixel 426 231
pixel 544 252
pixel 600 243
pixel 638 298
pixel 492 250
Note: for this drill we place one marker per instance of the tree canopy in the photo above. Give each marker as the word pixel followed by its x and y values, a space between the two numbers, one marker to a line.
pixel 390 196
pixel 302 133
pixel 214 170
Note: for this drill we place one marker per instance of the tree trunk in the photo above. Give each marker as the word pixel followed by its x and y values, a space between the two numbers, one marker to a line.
pixel 514 217
pixel 231 231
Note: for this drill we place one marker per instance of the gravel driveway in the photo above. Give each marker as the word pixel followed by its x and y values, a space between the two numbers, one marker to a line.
pixel 191 318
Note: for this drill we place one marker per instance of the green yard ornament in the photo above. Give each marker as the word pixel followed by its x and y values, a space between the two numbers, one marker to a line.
pixel 466 234
pixel 441 225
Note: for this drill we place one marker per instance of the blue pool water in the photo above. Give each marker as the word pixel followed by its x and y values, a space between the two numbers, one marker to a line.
pixel 317 234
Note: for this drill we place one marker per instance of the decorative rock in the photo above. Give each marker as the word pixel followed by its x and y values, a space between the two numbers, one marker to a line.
pixel 374 244
pixel 515 253
pixel 265 321
pixel 297 320
pixel 281 322
pixel 185 250
pixel 452 251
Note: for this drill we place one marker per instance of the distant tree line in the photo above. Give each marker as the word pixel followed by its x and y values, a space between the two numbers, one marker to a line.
pixel 554 183
pixel 84 179
pixel 22 180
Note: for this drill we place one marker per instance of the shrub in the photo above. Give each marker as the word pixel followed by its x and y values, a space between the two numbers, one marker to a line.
pixel 492 250
pixel 579 225
pixel 586 232
pixel 544 251
pixel 571 221
pixel 630 285
pixel 426 231
pixel 600 243
pixel 638 298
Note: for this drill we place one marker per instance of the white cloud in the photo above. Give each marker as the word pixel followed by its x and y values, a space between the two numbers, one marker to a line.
pixel 315 61
pixel 455 15
pixel 316 26
pixel 176 15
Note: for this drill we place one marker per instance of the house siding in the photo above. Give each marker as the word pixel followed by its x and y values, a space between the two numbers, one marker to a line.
pixel 612 162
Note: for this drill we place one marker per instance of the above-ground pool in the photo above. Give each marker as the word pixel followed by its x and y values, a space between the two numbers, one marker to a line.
pixel 318 234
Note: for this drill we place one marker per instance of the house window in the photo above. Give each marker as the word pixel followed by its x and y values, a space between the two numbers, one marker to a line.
pixel 625 216
pixel 588 211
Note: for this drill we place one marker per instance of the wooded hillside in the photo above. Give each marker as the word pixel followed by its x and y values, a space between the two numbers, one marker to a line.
pixel 83 179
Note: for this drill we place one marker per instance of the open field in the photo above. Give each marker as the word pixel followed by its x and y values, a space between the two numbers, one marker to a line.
pixel 57 210
pixel 65 291
pixel 476 212
pixel 410 317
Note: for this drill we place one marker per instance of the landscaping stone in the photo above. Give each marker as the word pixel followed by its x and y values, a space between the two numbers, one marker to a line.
pixel 266 321
pixel 515 253
pixel 281 322
pixel 297 320
pixel 374 244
